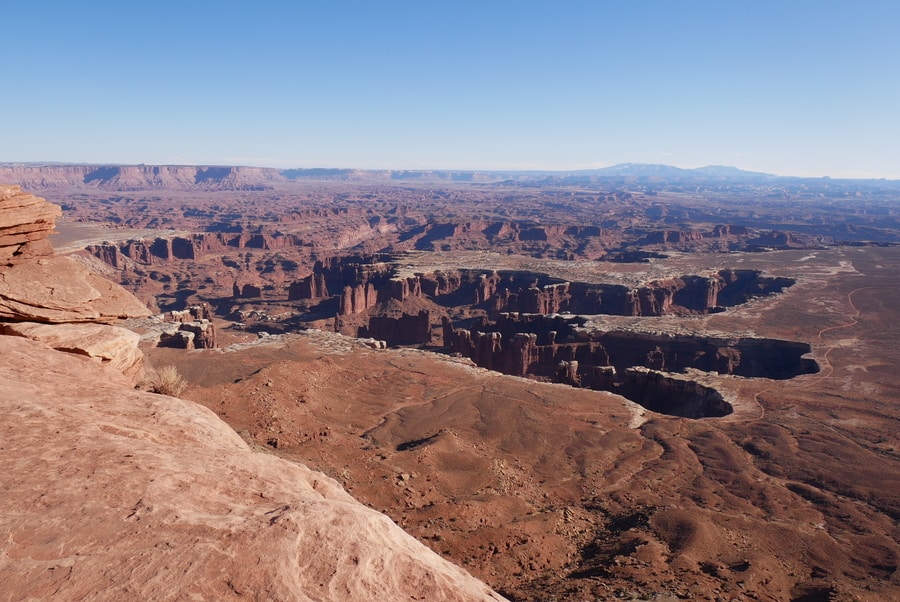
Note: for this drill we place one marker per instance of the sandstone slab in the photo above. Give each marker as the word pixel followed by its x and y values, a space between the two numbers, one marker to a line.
pixel 25 223
pixel 110 345
pixel 114 494
pixel 59 289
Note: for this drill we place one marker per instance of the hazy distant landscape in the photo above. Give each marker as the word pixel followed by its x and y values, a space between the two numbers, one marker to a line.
pixel 640 382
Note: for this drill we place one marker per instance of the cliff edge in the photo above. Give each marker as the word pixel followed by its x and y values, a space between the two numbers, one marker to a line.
pixel 110 493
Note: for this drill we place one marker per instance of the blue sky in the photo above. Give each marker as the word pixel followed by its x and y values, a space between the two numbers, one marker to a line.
pixel 790 87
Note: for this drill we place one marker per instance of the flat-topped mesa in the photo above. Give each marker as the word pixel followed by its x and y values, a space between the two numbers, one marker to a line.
pixel 142 177
pixel 363 283
pixel 376 297
pixel 25 223
pixel 638 365
pixel 478 234
pixel 360 281
pixel 689 294
pixel 535 345
pixel 164 249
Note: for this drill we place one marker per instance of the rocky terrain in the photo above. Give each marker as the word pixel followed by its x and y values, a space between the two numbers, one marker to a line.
pixel 784 489
pixel 111 493
pixel 698 399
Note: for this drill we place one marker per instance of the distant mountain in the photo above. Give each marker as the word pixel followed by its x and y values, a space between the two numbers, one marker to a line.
pixel 669 171
pixel 47 175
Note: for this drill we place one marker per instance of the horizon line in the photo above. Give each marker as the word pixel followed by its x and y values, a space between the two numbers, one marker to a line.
pixel 530 169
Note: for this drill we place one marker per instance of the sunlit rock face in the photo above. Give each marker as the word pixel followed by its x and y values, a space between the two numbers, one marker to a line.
pixel 111 493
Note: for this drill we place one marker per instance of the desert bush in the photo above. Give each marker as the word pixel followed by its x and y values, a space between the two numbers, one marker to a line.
pixel 168 381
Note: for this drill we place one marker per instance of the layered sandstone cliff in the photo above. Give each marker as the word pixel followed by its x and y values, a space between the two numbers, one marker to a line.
pixel 57 300
pixel 140 177
pixel 365 282
pixel 25 223
pixel 536 345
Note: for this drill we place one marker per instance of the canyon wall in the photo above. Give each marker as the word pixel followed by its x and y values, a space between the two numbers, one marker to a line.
pixel 140 177
pixel 536 345
pixel 161 250
pixel 364 284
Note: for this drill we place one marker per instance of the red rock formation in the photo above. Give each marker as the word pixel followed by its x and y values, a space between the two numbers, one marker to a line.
pixel 405 329
pixel 115 494
pixel 247 291
pixel 141 177
pixel 60 289
pixel 670 394
pixel 25 223
pixel 107 253
pixel 535 345
pixel 721 231
pixel 200 334
pixel 38 289
pixel 194 330
pixel 109 345
pixel 357 299
pixel 313 286
pixel 671 237
pixel 202 311
pixel 137 250
pixel 366 285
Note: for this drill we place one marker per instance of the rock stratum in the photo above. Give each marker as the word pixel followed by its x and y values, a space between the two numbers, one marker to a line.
pixel 115 494
pixel 38 286
pixel 140 177
pixel 57 300
pixel 25 223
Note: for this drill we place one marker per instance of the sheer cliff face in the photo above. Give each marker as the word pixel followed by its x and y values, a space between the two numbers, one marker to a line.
pixel 365 284
pixel 536 345
pixel 140 177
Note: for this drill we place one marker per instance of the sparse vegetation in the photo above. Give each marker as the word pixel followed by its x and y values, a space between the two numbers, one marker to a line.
pixel 167 381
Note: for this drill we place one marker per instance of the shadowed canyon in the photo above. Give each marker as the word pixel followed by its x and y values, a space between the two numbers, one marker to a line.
pixel 561 386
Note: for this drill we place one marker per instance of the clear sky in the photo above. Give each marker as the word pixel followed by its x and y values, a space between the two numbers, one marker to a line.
pixel 792 87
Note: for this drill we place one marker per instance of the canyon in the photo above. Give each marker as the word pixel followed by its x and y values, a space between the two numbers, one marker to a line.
pixel 573 387
pixel 112 493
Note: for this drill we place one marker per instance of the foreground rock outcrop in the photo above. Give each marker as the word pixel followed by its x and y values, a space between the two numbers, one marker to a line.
pixel 39 290
pixel 25 223
pixel 60 290
pixel 38 286
pixel 114 494
pixel 110 345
